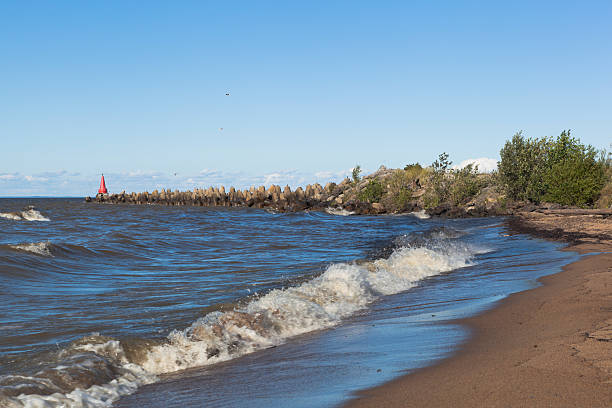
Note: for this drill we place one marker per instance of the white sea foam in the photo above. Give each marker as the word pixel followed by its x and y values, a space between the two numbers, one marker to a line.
pixel 38 248
pixel 338 211
pixel 97 396
pixel 28 214
pixel 33 215
pixel 323 302
pixel 420 214
pixel 12 216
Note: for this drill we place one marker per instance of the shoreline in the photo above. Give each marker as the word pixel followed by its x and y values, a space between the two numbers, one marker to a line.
pixel 548 346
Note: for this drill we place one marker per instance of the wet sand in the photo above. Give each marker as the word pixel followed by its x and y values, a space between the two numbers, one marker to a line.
pixel 546 347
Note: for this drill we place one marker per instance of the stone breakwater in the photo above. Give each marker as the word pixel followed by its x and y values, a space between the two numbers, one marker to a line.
pixel 313 197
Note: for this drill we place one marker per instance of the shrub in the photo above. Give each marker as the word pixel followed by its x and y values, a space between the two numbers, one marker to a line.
pixel 456 186
pixel 401 200
pixel 563 171
pixel 372 193
pixel 522 167
pixel 415 172
pixel 605 198
pixel 400 186
pixel 413 167
pixel 465 184
pixel 575 173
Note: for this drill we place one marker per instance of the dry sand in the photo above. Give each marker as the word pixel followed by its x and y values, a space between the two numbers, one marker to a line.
pixel 546 347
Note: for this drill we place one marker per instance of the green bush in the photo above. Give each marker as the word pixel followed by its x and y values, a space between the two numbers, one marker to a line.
pixel 372 193
pixel 415 172
pixel 605 198
pixel 455 186
pixel 522 167
pixel 576 175
pixel 465 184
pixel 561 170
pixel 402 199
pixel 399 190
pixel 413 167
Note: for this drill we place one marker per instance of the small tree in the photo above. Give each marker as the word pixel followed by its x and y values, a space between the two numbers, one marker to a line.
pixel 439 183
pixel 357 174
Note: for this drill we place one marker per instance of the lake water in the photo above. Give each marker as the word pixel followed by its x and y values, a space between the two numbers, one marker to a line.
pixel 156 306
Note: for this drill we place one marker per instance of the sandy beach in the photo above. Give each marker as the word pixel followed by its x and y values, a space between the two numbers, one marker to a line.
pixel 546 347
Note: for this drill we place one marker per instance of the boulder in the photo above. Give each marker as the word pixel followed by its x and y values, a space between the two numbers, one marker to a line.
pixel 378 208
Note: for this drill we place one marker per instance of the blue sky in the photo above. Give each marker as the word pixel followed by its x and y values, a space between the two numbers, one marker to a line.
pixel 137 89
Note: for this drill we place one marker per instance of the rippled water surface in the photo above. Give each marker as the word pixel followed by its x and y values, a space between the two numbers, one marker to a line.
pixel 189 306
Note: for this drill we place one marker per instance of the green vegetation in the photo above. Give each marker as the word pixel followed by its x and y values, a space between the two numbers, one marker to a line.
pixel 413 167
pixel 439 182
pixel 465 184
pixel 605 198
pixel 356 174
pixel 522 167
pixel 373 192
pixel 560 170
pixel 556 170
pixel 399 189
pixel 456 186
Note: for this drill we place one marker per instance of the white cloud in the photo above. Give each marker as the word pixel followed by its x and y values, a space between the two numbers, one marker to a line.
pixel 334 176
pixel 324 174
pixel 36 178
pixel 64 183
pixel 273 178
pixel 145 174
pixel 485 164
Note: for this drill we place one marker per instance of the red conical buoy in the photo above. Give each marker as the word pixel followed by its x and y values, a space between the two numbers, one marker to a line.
pixel 102 189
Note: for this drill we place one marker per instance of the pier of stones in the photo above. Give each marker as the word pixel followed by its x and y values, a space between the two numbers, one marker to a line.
pixel 313 197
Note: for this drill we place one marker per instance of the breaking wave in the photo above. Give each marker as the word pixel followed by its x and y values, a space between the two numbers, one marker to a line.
pixel 338 211
pixel 97 370
pixel 420 214
pixel 27 214
pixel 38 248
pixel 93 372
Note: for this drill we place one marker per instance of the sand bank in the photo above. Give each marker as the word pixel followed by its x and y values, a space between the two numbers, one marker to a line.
pixel 546 347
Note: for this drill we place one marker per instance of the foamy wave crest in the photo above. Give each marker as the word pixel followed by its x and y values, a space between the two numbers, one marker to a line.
pixel 420 214
pixel 38 248
pixel 338 211
pixel 28 214
pixel 323 302
pixel 94 372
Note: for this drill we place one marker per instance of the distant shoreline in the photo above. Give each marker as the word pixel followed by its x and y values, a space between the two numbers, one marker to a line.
pixel 46 197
